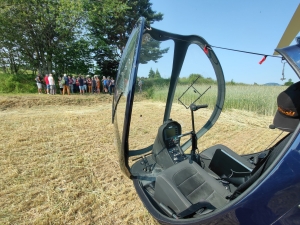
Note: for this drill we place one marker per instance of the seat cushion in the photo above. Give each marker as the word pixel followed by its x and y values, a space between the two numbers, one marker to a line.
pixel 186 184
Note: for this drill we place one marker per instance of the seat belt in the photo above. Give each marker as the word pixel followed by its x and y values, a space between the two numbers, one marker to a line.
pixel 262 161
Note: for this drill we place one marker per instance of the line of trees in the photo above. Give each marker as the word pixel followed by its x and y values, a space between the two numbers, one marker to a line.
pixel 68 36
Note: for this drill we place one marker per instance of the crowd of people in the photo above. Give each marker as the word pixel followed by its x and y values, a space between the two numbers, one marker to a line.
pixel 71 84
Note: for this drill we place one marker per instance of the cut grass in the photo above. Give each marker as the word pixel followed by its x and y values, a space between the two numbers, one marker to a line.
pixel 59 165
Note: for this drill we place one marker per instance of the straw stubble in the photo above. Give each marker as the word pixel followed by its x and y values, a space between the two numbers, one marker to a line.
pixel 59 165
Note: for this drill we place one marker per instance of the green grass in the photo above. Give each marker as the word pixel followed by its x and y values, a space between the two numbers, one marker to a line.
pixel 259 99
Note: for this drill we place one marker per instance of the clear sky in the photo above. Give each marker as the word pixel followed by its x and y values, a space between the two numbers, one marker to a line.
pixel 254 26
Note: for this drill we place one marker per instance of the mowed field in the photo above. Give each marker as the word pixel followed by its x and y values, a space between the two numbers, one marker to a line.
pixel 59 165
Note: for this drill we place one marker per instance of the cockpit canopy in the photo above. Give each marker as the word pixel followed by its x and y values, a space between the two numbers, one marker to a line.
pixel 144 46
pixel 148 47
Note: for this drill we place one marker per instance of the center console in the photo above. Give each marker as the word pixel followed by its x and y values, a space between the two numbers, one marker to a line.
pixel 166 149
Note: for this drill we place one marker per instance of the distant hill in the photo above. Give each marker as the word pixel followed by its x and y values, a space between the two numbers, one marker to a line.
pixel 272 84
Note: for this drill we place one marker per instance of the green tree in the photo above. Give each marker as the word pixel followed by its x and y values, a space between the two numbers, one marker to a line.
pixel 111 22
pixel 288 83
pixel 151 50
pixel 151 73
pixel 157 74
pixel 76 58
pixel 36 31
pixel 102 28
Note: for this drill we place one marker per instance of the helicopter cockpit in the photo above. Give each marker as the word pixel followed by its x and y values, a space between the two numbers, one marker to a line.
pixel 171 177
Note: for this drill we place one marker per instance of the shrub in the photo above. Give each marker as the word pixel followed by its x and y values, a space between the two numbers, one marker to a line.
pixel 150 92
pixel 21 83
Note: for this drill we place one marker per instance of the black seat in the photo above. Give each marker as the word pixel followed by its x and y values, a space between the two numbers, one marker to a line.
pixel 209 153
pixel 262 166
pixel 186 188
pixel 242 182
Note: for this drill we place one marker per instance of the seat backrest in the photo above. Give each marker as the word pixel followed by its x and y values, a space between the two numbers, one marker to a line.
pixel 263 166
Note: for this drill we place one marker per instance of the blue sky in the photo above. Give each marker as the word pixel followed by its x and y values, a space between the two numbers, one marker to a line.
pixel 254 26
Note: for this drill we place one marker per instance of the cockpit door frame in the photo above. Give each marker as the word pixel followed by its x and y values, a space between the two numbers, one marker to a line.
pixel 182 43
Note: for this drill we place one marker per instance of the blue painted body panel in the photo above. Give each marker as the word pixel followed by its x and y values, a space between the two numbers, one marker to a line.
pixel 277 194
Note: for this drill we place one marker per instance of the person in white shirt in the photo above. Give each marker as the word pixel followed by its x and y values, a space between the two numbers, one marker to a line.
pixel 52 85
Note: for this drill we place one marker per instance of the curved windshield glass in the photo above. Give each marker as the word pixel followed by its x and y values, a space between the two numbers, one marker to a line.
pixel 155 63
pixel 197 85
pixel 124 88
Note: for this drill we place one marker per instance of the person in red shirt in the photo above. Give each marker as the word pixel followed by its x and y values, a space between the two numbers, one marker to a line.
pixel 47 83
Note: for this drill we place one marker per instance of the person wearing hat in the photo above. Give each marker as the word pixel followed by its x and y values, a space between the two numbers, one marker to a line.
pixel 287 116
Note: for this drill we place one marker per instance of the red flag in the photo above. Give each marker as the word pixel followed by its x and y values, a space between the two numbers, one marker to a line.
pixel 263 59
